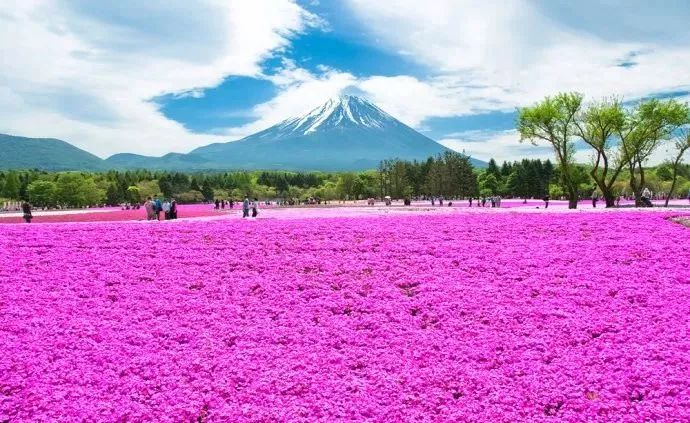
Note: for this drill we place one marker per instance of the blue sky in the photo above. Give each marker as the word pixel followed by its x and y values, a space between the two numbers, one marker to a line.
pixel 155 77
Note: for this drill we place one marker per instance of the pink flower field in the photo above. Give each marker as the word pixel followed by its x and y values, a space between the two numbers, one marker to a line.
pixel 484 317
pixel 109 214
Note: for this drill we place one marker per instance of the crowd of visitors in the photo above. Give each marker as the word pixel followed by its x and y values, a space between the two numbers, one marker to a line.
pixel 494 201
pixel 154 207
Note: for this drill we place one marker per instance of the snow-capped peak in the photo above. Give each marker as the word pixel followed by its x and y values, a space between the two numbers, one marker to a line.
pixel 344 110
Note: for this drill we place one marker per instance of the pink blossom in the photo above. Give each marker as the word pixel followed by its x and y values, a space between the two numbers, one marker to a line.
pixel 491 317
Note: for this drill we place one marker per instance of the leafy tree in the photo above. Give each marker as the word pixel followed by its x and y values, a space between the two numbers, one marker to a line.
pixel 113 195
pixel 166 186
pixel 665 171
pixel 492 168
pixel 133 195
pixel 73 189
pixel 598 126
pixel 11 187
pixel 345 185
pixel 207 191
pixel 42 193
pixel 488 183
pixel 553 121
pixel 647 125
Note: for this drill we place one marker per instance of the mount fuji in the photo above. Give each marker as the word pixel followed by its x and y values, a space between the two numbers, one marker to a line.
pixel 345 133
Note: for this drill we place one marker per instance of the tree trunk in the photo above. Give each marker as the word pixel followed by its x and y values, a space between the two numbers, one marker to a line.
pixel 610 199
pixel 676 163
pixel 572 199
pixel 607 193
pixel 673 186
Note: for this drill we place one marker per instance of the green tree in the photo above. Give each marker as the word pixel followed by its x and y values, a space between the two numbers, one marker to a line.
pixel 11 188
pixel 73 189
pixel 42 193
pixel 488 183
pixel 599 126
pixel 553 121
pixel 207 190
pixel 493 169
pixel 647 125
pixel 133 195
pixel 166 186
pixel 113 195
pixel 345 185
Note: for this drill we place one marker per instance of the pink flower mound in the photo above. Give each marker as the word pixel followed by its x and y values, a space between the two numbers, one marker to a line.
pixel 468 317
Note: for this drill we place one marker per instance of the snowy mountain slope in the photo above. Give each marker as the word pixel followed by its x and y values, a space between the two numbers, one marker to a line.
pixel 345 133
pixel 345 111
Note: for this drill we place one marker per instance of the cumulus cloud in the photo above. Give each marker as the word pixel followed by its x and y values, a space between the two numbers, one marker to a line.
pixel 86 71
pixel 485 57
pixel 499 145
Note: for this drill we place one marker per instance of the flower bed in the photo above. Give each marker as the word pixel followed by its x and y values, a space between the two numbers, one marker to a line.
pixel 465 317
pixel 114 214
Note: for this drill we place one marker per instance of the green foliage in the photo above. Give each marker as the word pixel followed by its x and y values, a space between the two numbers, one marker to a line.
pixel 189 197
pixel 207 190
pixel 77 190
pixel 133 195
pixel 42 193
pixel 665 171
pixel 488 183
pixel 553 121
pixel 619 137
pixel 11 186
pixel 148 188
pixel 449 174
pixel 649 124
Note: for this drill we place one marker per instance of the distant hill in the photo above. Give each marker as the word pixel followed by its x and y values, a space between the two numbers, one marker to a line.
pixel 45 153
pixel 171 161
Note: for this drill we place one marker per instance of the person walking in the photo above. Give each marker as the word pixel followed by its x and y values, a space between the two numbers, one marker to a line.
pixel 166 209
pixel 26 209
pixel 173 209
pixel 470 201
pixel 149 206
pixel 158 207
pixel 546 201
pixel 255 207
pixel 595 197
pixel 245 207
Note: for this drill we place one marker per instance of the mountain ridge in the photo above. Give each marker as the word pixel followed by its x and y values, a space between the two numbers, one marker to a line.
pixel 346 133
pixel 17 152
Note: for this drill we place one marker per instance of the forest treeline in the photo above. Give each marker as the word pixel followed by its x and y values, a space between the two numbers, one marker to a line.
pixel 450 175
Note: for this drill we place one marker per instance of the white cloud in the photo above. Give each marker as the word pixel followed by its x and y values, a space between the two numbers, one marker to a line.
pixel 86 73
pixel 499 145
pixel 490 57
